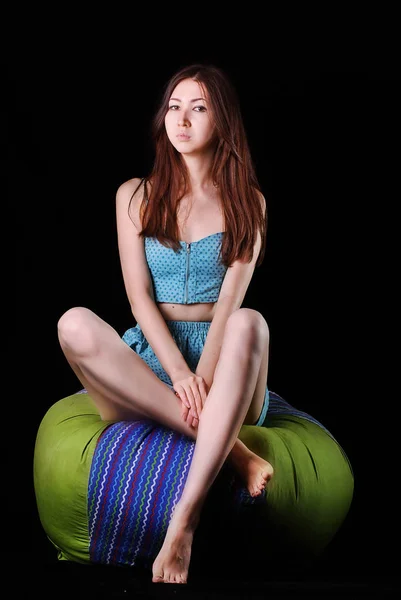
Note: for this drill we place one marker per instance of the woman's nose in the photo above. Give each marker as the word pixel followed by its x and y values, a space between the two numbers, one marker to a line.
pixel 183 120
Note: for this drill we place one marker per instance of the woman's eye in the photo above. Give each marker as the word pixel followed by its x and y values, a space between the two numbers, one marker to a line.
pixel 199 108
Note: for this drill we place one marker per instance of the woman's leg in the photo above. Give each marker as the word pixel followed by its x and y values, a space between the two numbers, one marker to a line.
pixel 120 383
pixel 236 379
pixel 123 387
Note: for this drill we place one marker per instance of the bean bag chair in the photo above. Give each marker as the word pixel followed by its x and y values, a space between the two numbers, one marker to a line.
pixel 105 491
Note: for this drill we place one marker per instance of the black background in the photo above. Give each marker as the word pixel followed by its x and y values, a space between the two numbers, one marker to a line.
pixel 321 107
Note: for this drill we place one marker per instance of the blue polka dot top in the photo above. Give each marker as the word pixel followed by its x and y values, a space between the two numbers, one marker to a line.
pixel 194 273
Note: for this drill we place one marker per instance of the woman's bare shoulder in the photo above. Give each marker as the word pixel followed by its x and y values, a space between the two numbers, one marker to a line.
pixel 129 198
pixel 261 196
pixel 262 200
pixel 132 188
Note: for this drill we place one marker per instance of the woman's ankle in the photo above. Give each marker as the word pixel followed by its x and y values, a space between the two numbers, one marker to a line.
pixel 188 514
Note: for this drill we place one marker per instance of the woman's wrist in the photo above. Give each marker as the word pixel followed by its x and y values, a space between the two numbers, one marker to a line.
pixel 178 373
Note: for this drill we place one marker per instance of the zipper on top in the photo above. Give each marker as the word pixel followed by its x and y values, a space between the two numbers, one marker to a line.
pixel 188 246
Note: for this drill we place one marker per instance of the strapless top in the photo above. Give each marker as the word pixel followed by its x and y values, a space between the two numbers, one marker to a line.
pixel 193 273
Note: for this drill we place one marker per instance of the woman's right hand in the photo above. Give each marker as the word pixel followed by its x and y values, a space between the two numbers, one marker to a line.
pixel 192 391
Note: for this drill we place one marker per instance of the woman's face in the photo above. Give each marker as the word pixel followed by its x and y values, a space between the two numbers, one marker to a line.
pixel 188 121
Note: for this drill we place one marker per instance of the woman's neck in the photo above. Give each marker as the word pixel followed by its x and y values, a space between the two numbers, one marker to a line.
pixel 199 172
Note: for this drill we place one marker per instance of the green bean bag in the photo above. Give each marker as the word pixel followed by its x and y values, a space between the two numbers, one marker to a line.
pixel 105 491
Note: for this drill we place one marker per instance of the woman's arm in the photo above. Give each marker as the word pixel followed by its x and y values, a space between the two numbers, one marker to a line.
pixel 232 294
pixel 138 283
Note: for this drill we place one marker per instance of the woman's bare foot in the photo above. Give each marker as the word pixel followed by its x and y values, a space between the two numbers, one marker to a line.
pixel 254 470
pixel 171 565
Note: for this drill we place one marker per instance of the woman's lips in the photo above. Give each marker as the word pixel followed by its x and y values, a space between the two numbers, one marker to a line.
pixel 183 136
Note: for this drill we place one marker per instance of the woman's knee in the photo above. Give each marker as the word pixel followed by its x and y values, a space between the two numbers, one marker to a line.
pixel 75 331
pixel 248 326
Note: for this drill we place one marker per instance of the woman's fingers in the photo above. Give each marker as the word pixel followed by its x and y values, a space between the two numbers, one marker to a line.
pixel 184 412
pixel 197 401
pixel 187 397
pixel 192 392
pixel 188 417
pixel 191 399
pixel 183 397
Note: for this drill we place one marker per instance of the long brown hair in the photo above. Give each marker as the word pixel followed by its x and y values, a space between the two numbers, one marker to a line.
pixel 232 172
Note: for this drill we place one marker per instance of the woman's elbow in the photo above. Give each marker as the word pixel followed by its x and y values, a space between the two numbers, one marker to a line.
pixel 139 296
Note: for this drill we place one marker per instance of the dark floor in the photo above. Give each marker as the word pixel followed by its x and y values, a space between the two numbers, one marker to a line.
pixel 342 572
pixel 72 580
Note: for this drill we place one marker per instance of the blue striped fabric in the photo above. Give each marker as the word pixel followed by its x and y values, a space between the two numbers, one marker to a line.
pixel 137 475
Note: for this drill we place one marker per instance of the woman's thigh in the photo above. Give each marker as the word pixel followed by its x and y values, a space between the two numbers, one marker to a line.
pixel 247 330
pixel 119 382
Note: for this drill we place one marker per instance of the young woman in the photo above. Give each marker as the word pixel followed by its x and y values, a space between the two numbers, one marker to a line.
pixel 190 236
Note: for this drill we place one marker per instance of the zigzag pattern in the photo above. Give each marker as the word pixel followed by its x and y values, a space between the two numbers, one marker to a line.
pixel 137 476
